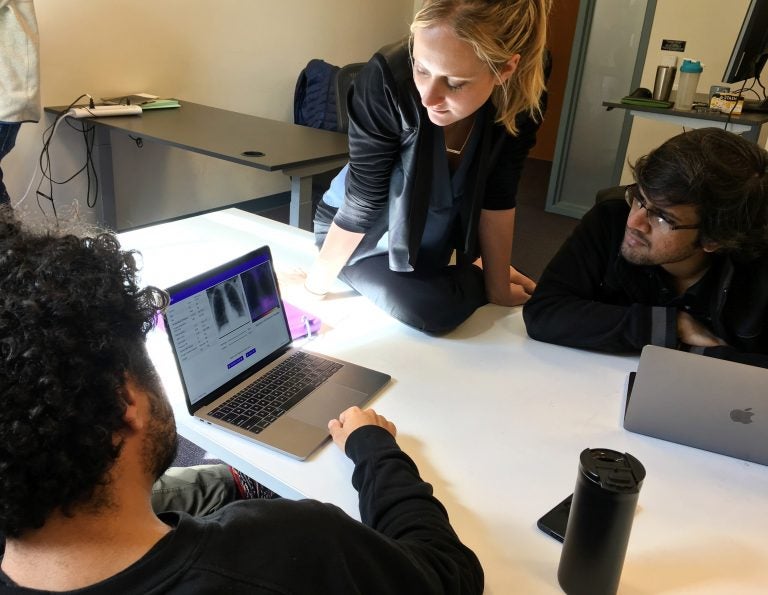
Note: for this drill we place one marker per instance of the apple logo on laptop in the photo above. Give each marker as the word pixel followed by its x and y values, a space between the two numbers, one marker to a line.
pixel 743 416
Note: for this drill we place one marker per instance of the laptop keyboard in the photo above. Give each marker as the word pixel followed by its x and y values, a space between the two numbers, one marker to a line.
pixel 267 398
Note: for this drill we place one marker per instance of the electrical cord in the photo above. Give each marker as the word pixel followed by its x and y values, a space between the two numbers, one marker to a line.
pixel 735 103
pixel 45 165
pixel 55 125
pixel 47 136
pixel 46 169
pixel 88 131
pixel 765 95
pixel 751 89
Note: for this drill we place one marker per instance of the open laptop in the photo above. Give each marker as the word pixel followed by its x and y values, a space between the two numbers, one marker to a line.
pixel 232 345
pixel 700 401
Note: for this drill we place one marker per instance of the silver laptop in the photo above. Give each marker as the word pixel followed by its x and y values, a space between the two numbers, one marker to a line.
pixel 700 401
pixel 232 344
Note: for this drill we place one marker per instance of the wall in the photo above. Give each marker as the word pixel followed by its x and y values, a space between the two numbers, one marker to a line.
pixel 242 55
pixel 710 28
pixel 603 65
pixel 562 26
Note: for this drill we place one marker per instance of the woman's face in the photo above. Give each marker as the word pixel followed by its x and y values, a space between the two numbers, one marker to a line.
pixel 452 81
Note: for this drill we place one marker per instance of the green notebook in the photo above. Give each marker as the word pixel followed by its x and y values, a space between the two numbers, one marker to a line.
pixel 643 102
pixel 144 101
pixel 160 104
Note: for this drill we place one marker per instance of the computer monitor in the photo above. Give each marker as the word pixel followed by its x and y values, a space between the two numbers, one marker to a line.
pixel 750 50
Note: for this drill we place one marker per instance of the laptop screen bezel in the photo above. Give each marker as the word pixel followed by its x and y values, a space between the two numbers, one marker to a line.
pixel 261 255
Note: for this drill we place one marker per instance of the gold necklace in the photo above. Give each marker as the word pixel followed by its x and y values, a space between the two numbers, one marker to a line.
pixel 461 150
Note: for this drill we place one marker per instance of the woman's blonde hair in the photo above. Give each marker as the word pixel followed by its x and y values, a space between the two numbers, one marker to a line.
pixel 497 30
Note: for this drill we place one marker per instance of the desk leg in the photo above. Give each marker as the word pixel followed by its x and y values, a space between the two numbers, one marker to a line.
pixel 752 133
pixel 301 202
pixel 105 203
pixel 301 189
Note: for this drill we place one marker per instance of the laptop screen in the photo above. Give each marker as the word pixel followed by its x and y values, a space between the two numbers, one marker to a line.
pixel 224 321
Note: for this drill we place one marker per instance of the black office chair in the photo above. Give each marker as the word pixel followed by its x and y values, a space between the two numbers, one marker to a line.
pixel 344 78
pixel 320 94
pixel 608 193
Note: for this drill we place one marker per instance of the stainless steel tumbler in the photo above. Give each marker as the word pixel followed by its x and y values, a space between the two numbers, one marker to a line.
pixel 662 86
pixel 604 501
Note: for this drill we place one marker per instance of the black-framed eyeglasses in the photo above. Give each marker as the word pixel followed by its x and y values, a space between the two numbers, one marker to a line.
pixel 656 219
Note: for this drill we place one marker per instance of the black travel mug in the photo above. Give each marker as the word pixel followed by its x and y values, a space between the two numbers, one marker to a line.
pixel 604 501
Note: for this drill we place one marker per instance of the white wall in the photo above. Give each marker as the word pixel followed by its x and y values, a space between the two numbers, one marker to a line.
pixel 241 55
pixel 710 28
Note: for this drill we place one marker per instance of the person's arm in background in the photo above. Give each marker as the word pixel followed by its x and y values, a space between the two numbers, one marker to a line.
pixel 692 332
pixel 727 352
pixel 503 285
pixel 571 305
pixel 337 249
pixel 396 502
pixel 374 144
pixel 695 336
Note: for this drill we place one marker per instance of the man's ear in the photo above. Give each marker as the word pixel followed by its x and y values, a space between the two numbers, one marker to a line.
pixel 710 246
pixel 133 396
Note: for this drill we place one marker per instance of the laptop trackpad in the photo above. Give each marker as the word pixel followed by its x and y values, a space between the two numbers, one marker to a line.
pixel 326 403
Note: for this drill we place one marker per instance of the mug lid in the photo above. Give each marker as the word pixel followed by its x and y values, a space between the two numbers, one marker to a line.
pixel 612 470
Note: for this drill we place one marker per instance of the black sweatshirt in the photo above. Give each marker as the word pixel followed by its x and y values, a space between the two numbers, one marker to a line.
pixel 285 546
pixel 590 297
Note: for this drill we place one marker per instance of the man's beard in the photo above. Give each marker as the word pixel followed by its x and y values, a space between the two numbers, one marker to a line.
pixel 636 254
pixel 161 441
pixel 635 258
pixel 645 255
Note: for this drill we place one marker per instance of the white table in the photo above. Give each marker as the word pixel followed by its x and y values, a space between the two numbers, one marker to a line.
pixel 496 422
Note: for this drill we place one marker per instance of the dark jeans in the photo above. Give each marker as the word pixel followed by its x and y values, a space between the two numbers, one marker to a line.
pixel 197 490
pixel 434 301
pixel 8 132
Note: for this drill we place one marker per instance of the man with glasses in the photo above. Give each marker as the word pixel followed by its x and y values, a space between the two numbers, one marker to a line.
pixel 681 262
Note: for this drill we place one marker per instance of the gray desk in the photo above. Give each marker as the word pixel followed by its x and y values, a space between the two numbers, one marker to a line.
pixel 296 151
pixel 748 124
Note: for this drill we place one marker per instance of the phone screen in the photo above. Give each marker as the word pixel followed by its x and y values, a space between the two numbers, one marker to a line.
pixel 556 520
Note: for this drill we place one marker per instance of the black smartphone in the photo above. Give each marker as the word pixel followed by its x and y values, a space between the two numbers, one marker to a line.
pixel 556 520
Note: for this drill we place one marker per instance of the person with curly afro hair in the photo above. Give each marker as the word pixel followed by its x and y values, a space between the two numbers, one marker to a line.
pixel 86 431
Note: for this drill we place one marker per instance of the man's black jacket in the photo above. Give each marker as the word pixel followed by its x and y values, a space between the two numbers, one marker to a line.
pixel 590 297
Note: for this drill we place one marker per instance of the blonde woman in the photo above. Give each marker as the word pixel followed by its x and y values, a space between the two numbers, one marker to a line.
pixel 439 127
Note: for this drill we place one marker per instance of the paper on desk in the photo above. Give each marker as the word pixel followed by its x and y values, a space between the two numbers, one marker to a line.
pixel 639 101
pixel 301 323
pixel 145 101
pixel 160 104
pixel 131 99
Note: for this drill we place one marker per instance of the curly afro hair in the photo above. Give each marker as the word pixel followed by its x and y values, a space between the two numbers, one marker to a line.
pixel 72 325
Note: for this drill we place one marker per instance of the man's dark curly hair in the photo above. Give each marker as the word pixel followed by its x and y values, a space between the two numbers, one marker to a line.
pixel 72 326
pixel 722 174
